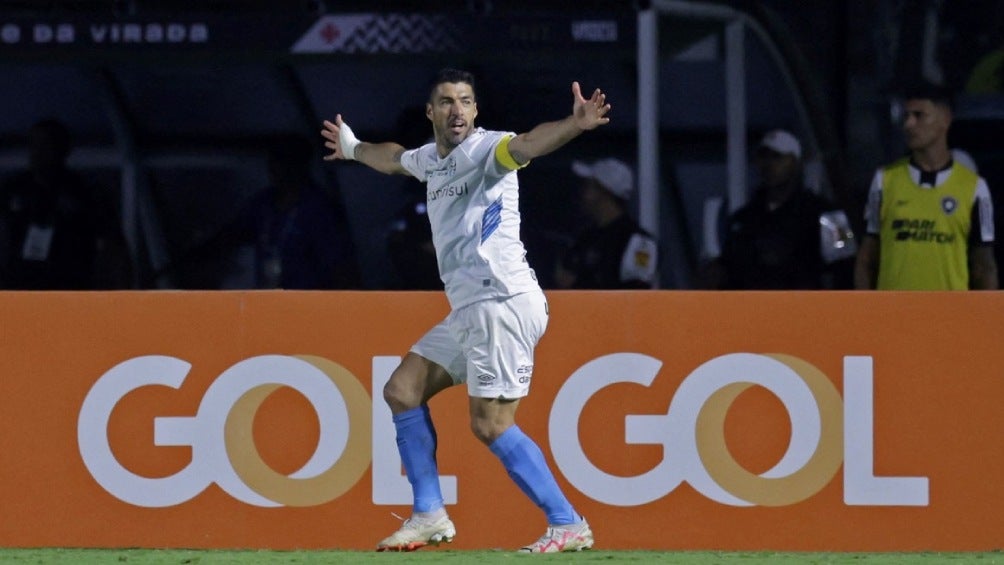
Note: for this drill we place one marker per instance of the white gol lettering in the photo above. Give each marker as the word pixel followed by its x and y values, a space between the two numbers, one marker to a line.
pixel 677 430
pixel 795 382
pixel 205 431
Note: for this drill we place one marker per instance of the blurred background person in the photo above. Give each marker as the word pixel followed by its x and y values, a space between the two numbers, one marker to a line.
pixel 613 251
pixel 56 235
pixel 409 237
pixel 296 238
pixel 284 234
pixel 409 244
pixel 929 217
pixel 786 236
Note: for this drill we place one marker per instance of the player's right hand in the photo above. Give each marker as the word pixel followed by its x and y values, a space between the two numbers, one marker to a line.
pixel 339 139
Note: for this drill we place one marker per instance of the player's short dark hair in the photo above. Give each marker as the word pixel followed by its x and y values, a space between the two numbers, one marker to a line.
pixel 449 75
pixel 922 90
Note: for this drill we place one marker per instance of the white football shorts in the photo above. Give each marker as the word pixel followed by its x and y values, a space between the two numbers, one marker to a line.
pixel 489 344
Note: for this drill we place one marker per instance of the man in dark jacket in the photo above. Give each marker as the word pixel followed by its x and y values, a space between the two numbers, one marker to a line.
pixel 786 237
pixel 614 252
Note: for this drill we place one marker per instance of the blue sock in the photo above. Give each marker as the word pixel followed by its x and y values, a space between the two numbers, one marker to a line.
pixel 416 442
pixel 525 464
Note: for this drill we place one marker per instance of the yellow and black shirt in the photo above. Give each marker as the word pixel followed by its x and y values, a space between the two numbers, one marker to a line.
pixel 926 223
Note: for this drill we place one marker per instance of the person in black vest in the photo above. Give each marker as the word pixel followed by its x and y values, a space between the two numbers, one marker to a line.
pixel 786 237
pixel 613 252
pixel 55 234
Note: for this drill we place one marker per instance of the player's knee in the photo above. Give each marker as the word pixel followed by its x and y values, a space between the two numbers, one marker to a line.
pixel 482 432
pixel 400 394
pixel 397 398
pixel 486 430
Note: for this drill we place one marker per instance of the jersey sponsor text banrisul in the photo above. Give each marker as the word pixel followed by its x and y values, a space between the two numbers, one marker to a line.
pixel 448 192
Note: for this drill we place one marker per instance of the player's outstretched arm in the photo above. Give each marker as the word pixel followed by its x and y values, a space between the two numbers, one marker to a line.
pixel 545 138
pixel 383 157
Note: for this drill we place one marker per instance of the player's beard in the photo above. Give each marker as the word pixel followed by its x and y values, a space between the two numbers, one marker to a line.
pixel 450 138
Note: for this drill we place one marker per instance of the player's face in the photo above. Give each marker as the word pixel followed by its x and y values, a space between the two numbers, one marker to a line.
pixel 924 124
pixel 451 109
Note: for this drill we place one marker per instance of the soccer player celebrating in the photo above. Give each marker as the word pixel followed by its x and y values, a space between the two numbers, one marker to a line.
pixel 498 311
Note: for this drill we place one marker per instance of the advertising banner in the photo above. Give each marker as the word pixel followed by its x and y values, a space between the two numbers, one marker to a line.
pixel 673 420
pixel 303 33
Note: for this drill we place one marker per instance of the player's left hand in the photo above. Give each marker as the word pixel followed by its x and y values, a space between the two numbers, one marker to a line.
pixel 591 113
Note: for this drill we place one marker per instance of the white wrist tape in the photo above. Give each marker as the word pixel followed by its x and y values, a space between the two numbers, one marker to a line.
pixel 348 141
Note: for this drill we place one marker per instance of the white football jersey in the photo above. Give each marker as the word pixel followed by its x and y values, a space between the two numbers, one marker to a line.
pixel 473 206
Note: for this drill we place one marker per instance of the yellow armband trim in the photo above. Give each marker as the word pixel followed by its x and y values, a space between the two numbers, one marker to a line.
pixel 504 157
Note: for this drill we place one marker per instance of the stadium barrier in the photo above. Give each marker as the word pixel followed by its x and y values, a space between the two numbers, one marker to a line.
pixel 674 420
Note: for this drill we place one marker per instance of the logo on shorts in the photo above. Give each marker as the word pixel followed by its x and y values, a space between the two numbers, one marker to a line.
pixel 486 379
pixel 525 373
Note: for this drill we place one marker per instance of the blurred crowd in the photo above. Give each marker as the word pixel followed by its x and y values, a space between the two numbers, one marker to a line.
pixel 60 231
pixel 290 221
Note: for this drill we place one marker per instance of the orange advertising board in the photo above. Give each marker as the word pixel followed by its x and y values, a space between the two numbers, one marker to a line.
pixel 673 420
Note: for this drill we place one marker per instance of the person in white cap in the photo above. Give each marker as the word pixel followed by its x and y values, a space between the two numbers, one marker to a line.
pixel 777 241
pixel 613 252
pixel 498 310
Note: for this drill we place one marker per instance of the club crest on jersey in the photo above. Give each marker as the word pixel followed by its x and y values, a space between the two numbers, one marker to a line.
pixel 949 204
pixel 448 169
